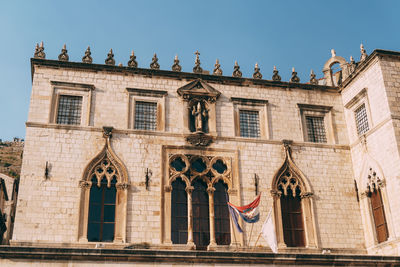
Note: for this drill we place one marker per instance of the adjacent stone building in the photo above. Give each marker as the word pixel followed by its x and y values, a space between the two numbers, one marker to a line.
pixel 125 158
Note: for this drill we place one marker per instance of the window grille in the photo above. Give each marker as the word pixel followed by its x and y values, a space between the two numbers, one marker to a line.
pixel 69 109
pixel 361 120
pixel 316 129
pixel 145 116
pixel 249 123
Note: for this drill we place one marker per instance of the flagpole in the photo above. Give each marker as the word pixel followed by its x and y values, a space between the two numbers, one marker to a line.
pixel 251 231
pixel 257 240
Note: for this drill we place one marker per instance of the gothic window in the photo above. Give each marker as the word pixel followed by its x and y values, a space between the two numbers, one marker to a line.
pixel 199 211
pixel 69 109
pixel 361 119
pixel 222 219
pixel 101 220
pixel 179 214
pixel 249 123
pixel 292 217
pixel 379 216
pixel 145 116
pixel 316 129
pixel 201 220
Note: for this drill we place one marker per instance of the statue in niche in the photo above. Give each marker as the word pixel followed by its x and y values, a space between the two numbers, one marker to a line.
pixel 199 118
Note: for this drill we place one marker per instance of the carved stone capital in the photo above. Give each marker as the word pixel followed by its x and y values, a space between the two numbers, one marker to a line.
pixel 85 184
pixel 210 190
pixel 122 186
pixel 107 131
pixel 168 188
pixel 189 189
pixel 276 193
pixel 306 195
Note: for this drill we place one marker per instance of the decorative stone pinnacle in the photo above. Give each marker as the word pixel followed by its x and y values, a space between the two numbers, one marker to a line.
pixel 236 70
pixel 257 74
pixel 352 65
pixel 39 51
pixel 176 66
pixel 132 61
pixel 87 58
pixel 363 53
pixel 313 80
pixel 154 63
pixel 294 78
pixel 110 58
pixel 351 58
pixel 63 56
pixel 197 68
pixel 217 68
pixel 120 64
pixel 333 52
pixel 275 76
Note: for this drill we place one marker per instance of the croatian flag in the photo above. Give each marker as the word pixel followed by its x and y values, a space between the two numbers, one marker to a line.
pixel 249 213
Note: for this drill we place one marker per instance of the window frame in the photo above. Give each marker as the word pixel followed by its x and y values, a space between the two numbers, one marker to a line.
pixel 355 118
pixel 259 105
pixel 72 89
pixel 308 110
pixel 361 98
pixel 150 96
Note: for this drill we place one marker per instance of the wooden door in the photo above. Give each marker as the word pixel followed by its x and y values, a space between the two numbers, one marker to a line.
pixel 379 216
pixel 292 219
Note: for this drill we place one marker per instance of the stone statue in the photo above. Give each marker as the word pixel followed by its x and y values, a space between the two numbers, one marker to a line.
pixel 199 113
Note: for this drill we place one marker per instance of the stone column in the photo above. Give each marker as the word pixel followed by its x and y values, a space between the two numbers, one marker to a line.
pixel 84 210
pixel 278 218
pixel 310 234
pixel 210 191
pixel 190 243
pixel 167 217
pixel 120 212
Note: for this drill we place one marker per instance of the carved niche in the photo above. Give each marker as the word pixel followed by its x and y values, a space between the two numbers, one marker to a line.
pixel 199 112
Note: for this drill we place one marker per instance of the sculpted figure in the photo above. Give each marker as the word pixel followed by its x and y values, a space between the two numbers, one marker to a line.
pixel 199 114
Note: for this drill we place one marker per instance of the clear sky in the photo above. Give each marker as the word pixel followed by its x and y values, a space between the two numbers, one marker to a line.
pixel 287 34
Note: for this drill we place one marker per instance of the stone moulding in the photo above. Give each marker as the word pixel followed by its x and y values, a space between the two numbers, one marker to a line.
pixel 199 139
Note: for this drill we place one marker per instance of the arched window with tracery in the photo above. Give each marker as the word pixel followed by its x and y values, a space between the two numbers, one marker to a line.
pixel 201 219
pixel 179 214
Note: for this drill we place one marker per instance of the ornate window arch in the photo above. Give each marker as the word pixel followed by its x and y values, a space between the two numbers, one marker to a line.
pixel 107 175
pixel 374 203
pixel 206 180
pixel 293 206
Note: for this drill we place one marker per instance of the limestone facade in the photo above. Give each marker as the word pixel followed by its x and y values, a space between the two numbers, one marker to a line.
pixel 53 209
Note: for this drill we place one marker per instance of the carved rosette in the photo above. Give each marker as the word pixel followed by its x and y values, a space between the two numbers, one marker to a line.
pixel 87 58
pixel 199 139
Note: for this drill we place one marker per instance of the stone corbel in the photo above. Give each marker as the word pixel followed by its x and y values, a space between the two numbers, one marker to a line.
pixel 306 195
pixel 122 186
pixel 85 184
pixel 168 188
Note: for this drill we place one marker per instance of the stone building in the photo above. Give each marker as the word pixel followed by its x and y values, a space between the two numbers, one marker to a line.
pixel 141 160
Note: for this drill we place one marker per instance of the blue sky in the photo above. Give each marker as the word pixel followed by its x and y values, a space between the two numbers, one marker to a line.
pixel 287 34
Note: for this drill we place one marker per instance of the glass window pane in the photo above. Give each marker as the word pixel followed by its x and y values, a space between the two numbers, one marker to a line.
pixel 94 232
pixel 69 109
pixel 316 129
pixel 108 232
pixel 145 115
pixel 109 213
pixel 361 120
pixel 110 194
pixel 95 194
pixel 94 212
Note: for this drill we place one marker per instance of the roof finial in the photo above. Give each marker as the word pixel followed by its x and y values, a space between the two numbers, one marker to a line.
pixel 275 76
pixel 257 74
pixel 132 61
pixel 197 68
pixel 313 80
pixel 39 51
pixel 236 70
pixel 63 56
pixel 87 58
pixel 333 52
pixel 110 58
pixel 294 78
pixel 176 66
pixel 363 53
pixel 217 68
pixel 154 63
pixel 353 65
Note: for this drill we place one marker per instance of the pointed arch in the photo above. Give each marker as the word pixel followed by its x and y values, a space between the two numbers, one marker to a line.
pixel 107 170
pixel 293 206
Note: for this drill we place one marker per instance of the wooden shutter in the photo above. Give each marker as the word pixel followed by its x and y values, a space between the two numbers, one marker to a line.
pixel 379 216
pixel 221 213
pixel 292 219
pixel 179 216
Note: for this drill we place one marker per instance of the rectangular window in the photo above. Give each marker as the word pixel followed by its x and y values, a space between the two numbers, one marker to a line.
pixel 69 110
pixel 316 129
pixel 361 120
pixel 145 115
pixel 249 123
